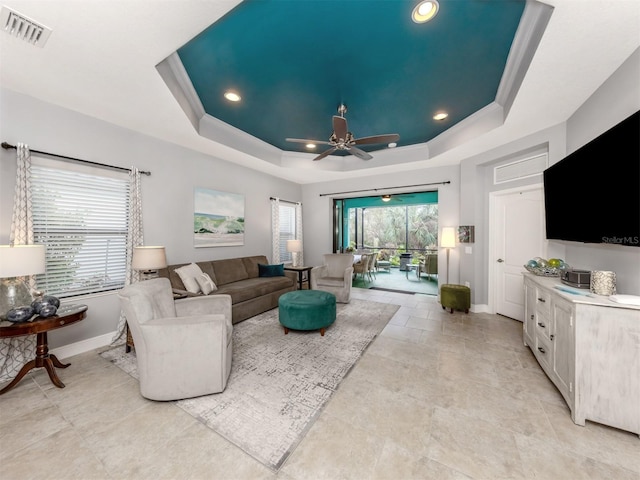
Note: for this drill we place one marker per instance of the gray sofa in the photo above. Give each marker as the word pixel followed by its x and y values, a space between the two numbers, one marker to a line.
pixel 238 278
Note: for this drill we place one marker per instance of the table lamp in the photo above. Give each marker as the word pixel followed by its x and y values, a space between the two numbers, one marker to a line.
pixel 295 247
pixel 18 261
pixel 448 241
pixel 148 260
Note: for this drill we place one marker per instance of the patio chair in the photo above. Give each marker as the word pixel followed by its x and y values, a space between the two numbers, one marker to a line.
pixel 362 267
pixel 373 265
pixel 429 265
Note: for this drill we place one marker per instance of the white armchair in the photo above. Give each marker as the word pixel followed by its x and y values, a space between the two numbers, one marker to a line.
pixel 334 276
pixel 183 348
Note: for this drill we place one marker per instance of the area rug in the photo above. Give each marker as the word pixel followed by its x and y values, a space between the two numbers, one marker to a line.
pixel 280 383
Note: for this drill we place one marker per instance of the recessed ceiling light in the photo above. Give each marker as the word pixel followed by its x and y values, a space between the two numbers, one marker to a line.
pixel 440 116
pixel 311 145
pixel 232 96
pixel 425 11
pixel 392 145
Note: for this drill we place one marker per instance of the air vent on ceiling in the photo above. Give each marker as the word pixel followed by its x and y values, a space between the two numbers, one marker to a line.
pixel 24 28
pixel 520 169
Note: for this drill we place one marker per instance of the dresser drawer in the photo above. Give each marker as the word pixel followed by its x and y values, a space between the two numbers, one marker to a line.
pixel 543 325
pixel 542 351
pixel 543 302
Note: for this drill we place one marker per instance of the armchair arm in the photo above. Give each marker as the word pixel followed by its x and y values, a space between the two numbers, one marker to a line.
pixel 348 273
pixel 205 304
pixel 185 292
pixel 317 272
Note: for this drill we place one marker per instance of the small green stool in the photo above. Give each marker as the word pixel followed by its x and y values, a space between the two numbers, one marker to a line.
pixel 455 297
pixel 307 310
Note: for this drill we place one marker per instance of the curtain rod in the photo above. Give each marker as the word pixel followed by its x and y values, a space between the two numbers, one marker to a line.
pixel 282 200
pixel 8 146
pixel 386 188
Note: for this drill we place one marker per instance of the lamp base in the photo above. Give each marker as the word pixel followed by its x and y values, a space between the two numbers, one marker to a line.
pixel 149 274
pixel 13 293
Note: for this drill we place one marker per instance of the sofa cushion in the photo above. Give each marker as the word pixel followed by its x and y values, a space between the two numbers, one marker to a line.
pixel 206 284
pixel 271 270
pixel 229 271
pixel 188 275
pixel 251 264
pixel 254 287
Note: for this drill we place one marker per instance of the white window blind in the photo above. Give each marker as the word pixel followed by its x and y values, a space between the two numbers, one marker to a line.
pixel 287 230
pixel 82 220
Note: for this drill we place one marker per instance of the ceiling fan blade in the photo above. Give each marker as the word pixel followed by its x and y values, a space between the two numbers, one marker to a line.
pixel 340 127
pixel 392 137
pixel 325 153
pixel 360 153
pixel 302 140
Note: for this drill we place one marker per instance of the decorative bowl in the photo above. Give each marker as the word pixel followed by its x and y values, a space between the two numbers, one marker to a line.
pixel 544 271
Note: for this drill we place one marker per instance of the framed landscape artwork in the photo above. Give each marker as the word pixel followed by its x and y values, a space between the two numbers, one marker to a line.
pixel 218 218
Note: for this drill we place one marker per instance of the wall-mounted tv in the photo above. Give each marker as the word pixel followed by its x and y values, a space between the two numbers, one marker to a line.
pixel 593 194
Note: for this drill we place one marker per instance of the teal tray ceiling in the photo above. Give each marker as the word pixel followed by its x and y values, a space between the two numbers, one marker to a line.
pixel 295 62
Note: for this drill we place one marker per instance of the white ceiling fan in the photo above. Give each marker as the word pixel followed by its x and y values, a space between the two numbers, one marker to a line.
pixel 342 139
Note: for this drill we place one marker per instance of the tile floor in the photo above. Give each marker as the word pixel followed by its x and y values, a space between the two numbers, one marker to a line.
pixel 436 396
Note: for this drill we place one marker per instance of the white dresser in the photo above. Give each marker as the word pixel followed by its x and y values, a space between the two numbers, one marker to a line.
pixel 589 346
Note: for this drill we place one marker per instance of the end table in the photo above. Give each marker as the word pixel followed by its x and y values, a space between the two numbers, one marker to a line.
pixel 301 277
pixel 66 315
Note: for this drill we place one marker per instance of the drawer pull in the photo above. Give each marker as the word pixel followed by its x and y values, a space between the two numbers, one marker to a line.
pixel 541 350
pixel 541 300
pixel 540 324
pixel 551 336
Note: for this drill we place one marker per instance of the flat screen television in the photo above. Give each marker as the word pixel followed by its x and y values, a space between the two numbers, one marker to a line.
pixel 593 194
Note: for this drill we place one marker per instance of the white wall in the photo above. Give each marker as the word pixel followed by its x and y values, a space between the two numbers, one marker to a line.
pixel 167 193
pixel 614 101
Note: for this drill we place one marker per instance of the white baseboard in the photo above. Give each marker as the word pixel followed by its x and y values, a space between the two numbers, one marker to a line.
pixel 482 308
pixel 83 346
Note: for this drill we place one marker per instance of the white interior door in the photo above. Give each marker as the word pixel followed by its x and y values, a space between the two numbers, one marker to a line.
pixel 517 236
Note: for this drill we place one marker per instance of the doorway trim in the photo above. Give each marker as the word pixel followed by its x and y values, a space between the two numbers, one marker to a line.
pixel 493 232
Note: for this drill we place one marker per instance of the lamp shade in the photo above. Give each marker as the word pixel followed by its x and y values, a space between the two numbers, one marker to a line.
pixel 294 245
pixel 448 239
pixel 21 260
pixel 148 258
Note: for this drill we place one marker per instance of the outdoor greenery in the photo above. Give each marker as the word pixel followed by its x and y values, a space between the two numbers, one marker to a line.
pixel 395 230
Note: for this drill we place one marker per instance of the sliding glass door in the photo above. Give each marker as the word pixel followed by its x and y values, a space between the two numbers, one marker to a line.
pixel 403 223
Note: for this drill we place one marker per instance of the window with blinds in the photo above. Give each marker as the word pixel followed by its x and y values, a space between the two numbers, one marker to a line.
pixel 287 230
pixel 82 220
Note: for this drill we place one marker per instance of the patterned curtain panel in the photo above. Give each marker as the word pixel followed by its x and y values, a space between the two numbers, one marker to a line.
pixel 299 230
pixel 17 351
pixel 275 230
pixel 135 238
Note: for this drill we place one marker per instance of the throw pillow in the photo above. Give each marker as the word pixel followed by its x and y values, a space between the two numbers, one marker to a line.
pixel 188 275
pixel 271 270
pixel 206 284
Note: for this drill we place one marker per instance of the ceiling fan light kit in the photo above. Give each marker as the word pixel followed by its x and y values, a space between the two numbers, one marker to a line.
pixel 343 139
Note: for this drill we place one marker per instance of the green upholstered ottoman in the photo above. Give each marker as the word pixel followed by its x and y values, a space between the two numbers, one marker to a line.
pixel 455 297
pixel 307 310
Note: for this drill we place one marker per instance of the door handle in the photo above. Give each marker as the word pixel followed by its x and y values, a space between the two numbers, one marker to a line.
pixel 500 260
